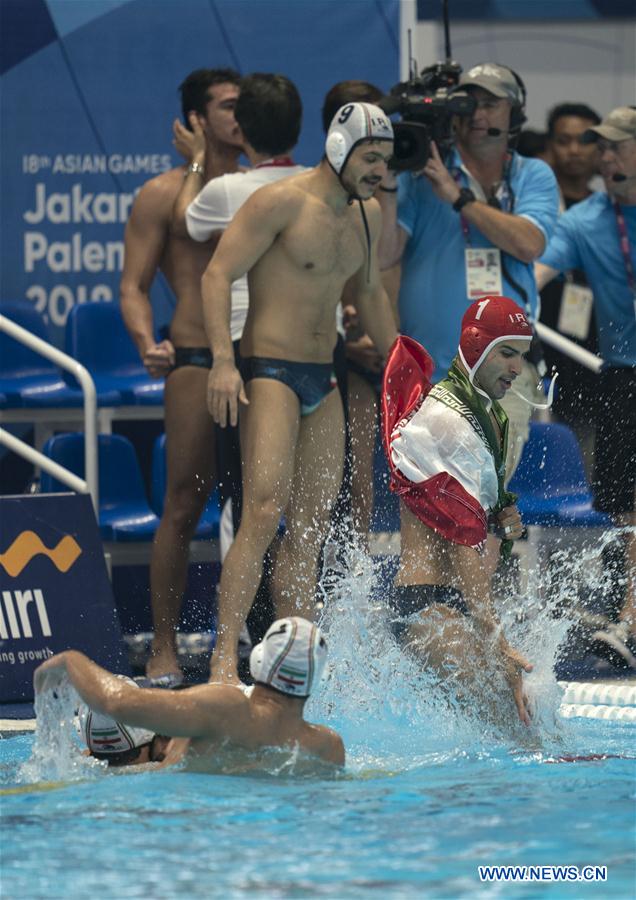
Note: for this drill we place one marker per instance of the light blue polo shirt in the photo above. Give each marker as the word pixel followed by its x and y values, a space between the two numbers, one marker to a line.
pixel 587 238
pixel 433 295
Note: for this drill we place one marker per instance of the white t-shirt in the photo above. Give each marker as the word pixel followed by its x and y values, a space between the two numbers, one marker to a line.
pixel 214 208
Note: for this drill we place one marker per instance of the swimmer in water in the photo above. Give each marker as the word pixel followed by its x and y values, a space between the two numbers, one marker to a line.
pixel 446 447
pixel 220 727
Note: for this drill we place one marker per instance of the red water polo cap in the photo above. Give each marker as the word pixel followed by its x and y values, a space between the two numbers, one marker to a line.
pixel 487 322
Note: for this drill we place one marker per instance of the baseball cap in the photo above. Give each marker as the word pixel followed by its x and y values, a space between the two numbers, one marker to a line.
pixel 497 80
pixel 291 657
pixel 619 125
pixel 487 322
pixel 102 734
pixel 352 124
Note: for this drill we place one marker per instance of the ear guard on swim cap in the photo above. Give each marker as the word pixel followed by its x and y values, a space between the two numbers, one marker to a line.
pixel 102 734
pixel 290 658
pixel 352 124
pixel 488 322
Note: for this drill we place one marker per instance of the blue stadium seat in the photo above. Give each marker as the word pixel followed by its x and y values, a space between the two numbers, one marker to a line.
pixel 551 482
pixel 30 380
pixel 96 336
pixel 208 526
pixel 124 513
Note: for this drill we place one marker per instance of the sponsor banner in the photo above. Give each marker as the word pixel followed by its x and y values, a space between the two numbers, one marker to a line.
pixel 54 589
pixel 89 92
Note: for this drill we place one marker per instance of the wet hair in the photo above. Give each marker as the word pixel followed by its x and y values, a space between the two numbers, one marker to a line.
pixel 194 89
pixel 580 110
pixel 347 92
pixel 125 758
pixel 269 112
pixel 129 757
pixel 531 143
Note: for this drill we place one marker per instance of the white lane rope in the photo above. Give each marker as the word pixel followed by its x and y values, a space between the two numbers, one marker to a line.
pixel 612 702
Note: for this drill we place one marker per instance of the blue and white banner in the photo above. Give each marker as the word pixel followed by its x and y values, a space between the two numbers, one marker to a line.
pixel 54 589
pixel 89 93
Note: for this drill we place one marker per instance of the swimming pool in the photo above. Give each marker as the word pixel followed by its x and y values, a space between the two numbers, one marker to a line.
pixel 429 795
pixel 421 831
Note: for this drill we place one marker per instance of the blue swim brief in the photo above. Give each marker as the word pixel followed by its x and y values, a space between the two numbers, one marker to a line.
pixel 311 382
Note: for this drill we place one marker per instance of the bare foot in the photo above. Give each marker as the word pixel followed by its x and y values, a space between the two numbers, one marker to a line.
pixel 162 662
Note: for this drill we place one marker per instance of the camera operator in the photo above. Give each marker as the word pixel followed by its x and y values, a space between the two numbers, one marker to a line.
pixel 471 226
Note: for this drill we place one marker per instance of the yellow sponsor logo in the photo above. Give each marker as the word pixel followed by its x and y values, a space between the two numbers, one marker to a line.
pixel 28 545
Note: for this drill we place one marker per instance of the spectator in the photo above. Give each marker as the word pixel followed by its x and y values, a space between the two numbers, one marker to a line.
pixel 598 236
pixel 568 307
pixel 533 145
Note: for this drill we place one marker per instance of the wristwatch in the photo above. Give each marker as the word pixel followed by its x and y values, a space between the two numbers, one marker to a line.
pixel 465 196
pixel 195 168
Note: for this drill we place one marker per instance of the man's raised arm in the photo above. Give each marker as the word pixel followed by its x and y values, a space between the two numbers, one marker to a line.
pixel 514 234
pixel 191 144
pixel 198 711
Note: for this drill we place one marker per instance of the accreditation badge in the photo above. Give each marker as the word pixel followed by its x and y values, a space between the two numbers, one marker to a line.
pixel 483 271
pixel 575 311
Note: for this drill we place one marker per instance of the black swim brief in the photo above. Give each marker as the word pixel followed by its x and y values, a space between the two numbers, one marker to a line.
pixel 201 357
pixel 408 599
pixel 311 382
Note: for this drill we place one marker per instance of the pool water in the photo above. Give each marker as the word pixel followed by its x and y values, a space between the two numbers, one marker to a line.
pixel 429 794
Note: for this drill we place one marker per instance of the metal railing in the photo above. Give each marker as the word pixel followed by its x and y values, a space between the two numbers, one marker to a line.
pixel 91 483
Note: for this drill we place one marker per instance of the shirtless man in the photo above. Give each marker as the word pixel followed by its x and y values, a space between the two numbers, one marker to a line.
pixel 150 245
pixel 300 240
pixel 446 447
pixel 217 727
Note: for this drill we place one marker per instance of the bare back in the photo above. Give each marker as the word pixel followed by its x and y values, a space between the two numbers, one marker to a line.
pixel 295 286
pixel 244 730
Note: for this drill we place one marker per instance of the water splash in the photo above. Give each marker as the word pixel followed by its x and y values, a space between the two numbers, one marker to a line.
pixel 394 716
pixel 56 754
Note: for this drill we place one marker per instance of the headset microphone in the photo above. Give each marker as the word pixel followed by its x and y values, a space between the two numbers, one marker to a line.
pixel 618 176
pixel 495 132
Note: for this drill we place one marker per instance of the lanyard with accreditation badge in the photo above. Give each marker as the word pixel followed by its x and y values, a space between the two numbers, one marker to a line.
pixel 483 264
pixel 623 240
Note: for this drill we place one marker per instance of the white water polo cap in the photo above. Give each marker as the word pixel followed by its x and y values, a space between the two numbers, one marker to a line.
pixel 351 125
pixel 291 657
pixel 102 734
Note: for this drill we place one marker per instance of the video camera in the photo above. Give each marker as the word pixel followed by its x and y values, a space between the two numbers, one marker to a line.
pixel 427 104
